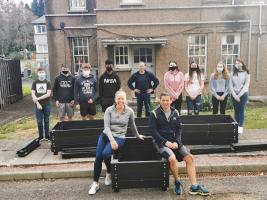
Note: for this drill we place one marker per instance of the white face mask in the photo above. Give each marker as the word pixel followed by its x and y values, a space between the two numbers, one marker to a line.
pixel 238 66
pixel 86 73
pixel 41 76
pixel 219 69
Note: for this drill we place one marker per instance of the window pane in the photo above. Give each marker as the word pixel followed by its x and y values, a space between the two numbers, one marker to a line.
pixel 126 60
pixel 143 58
pixel 196 40
pixel 121 60
pixel 203 39
pixel 236 49
pixel 117 60
pixel 230 39
pixel 142 51
pixel 136 52
pixel 230 49
pixel 125 50
pixel 197 50
pixel 224 49
pixel 121 50
pixel 149 51
pixel 136 59
pixel 149 59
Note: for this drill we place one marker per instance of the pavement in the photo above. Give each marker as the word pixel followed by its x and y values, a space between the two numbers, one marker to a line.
pixel 42 164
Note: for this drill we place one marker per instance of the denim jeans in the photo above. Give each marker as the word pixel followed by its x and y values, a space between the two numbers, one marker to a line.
pixel 216 103
pixel 177 104
pixel 239 108
pixel 193 105
pixel 143 98
pixel 104 152
pixel 42 118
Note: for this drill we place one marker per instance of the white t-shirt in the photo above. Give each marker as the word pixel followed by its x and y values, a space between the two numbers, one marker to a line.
pixel 194 85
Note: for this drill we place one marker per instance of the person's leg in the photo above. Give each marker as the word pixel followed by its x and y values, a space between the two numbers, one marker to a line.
pixel 242 105
pixel 83 109
pixel 91 111
pixel 139 105
pixel 179 103
pixel 190 168
pixel 215 103
pixel 197 105
pixel 69 111
pixel 236 110
pixel 61 111
pixel 47 111
pixel 147 102
pixel 223 105
pixel 190 105
pixel 39 120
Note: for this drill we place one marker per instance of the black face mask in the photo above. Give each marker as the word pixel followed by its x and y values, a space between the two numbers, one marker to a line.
pixel 194 69
pixel 173 68
pixel 65 72
pixel 109 69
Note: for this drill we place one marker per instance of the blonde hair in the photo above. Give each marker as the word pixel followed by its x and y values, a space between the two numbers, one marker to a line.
pixel 86 66
pixel 120 92
pixel 225 73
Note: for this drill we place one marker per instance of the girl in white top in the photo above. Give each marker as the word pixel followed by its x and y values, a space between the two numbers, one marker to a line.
pixel 194 86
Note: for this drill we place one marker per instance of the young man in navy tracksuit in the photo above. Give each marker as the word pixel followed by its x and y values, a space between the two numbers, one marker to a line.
pixel 165 126
pixel 144 85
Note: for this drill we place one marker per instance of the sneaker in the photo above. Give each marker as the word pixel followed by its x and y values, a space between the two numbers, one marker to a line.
pixel 199 189
pixel 177 189
pixel 94 188
pixel 240 130
pixel 108 179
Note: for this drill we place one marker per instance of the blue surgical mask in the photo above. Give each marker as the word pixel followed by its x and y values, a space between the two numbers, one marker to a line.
pixel 219 69
pixel 41 76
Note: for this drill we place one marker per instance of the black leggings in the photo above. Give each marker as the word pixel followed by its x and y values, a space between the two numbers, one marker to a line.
pixel 215 104
pixel 177 104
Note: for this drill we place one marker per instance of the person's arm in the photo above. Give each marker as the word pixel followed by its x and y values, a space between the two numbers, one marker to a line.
pixel 178 134
pixel 202 85
pixel 226 88
pixel 132 125
pixel 100 87
pixel 118 82
pixel 245 86
pixel 181 88
pixel 96 91
pixel 169 88
pixel 186 82
pixel 231 87
pixel 155 81
pixel 107 130
pixel 212 86
pixel 55 89
pixel 131 81
pixel 48 93
pixel 153 128
pixel 76 91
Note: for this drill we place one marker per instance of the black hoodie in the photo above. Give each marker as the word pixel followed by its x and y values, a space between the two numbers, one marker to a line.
pixel 85 89
pixel 109 84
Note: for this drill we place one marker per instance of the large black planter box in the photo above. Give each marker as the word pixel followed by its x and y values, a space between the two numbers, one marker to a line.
pixel 209 130
pixel 139 165
pixel 83 134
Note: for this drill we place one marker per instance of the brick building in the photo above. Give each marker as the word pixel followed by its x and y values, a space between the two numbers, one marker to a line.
pixel 157 31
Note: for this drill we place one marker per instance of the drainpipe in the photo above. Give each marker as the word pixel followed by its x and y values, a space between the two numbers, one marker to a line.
pixel 259 40
pixel 233 2
pixel 249 43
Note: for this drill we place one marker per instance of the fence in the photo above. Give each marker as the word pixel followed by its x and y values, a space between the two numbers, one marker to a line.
pixel 10 82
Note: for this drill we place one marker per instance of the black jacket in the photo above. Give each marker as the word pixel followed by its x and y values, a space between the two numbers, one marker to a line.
pixel 63 89
pixel 151 78
pixel 164 130
pixel 109 84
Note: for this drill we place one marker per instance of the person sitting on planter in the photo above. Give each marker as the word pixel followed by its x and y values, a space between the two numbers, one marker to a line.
pixel 109 84
pixel 86 93
pixel 239 86
pixel 41 92
pixel 174 85
pixel 116 121
pixel 219 86
pixel 63 92
pixel 194 86
pixel 165 127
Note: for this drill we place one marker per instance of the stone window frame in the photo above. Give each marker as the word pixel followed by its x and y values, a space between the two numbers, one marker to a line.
pixel 124 64
pixel 41 48
pixel 40 29
pixel 83 55
pixel 77 8
pixel 230 50
pixel 196 46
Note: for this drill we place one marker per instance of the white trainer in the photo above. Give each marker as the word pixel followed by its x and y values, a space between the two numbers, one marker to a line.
pixel 108 179
pixel 240 130
pixel 94 188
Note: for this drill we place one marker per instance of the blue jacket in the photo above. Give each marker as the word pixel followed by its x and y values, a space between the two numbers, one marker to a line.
pixel 150 78
pixel 164 130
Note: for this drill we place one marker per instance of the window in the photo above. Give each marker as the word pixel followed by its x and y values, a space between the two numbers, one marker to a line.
pixel 77 5
pixel 197 51
pixel 121 56
pixel 40 29
pixel 132 2
pixel 80 51
pixel 41 48
pixel 230 49
pixel 143 54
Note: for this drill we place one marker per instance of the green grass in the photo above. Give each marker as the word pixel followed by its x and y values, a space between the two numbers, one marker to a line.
pixel 6 129
pixel 26 90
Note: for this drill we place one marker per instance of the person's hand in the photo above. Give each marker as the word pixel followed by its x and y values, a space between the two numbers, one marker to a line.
pixel 141 137
pixel 39 106
pixel 222 98
pixel 34 99
pixel 169 144
pixel 137 91
pixel 72 103
pixel 90 101
pixel 78 107
pixel 150 90
pixel 237 99
pixel 175 145
pixel 57 104
pixel 114 145
pixel 193 97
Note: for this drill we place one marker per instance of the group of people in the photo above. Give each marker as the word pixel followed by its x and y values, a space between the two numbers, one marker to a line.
pixel 82 92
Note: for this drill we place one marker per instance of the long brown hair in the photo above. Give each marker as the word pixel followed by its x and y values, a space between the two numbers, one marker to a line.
pixel 225 73
pixel 191 71
pixel 244 68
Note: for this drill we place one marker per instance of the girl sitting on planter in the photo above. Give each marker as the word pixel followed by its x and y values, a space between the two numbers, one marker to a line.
pixel 116 120
pixel 219 86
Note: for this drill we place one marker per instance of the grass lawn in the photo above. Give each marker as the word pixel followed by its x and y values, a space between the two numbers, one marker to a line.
pixel 26 90
pixel 255 118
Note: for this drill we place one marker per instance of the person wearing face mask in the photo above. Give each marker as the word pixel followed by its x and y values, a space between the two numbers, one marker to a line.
pixel 219 87
pixel 174 85
pixel 194 86
pixel 41 92
pixel 109 84
pixel 86 93
pixel 63 93
pixel 239 86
